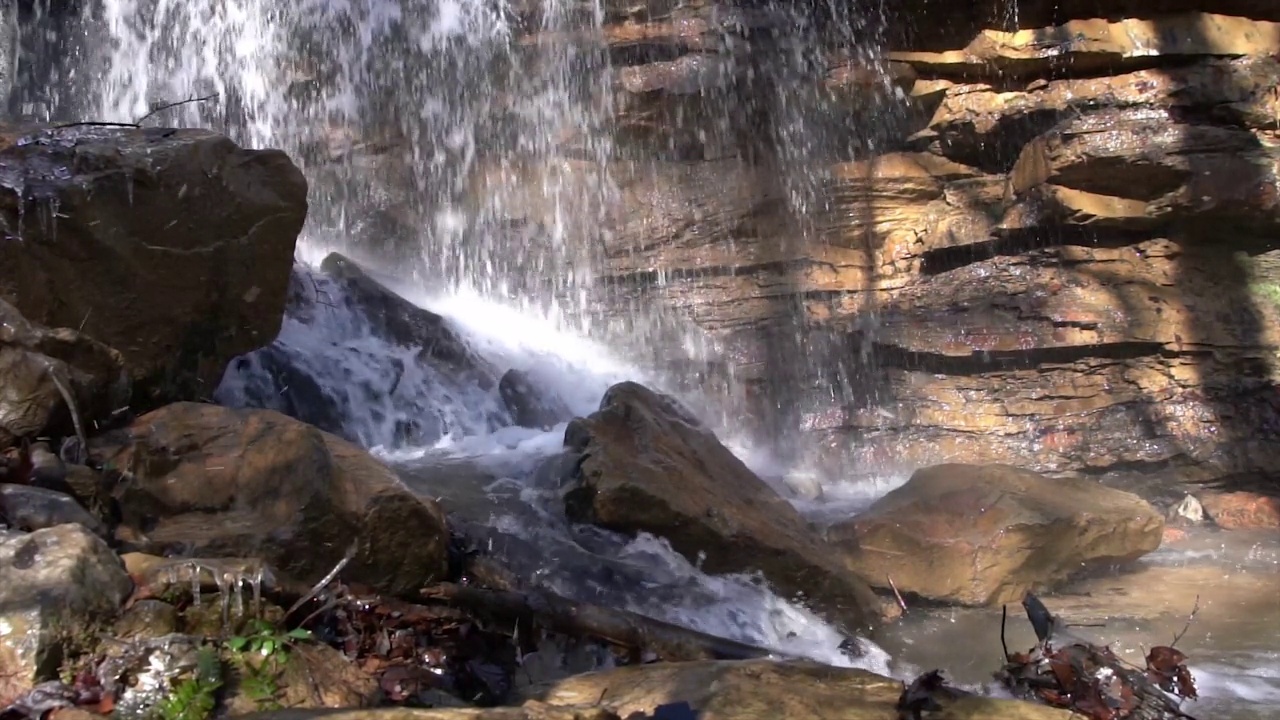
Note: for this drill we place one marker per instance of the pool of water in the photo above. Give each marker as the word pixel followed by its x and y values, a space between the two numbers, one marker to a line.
pixel 1233 642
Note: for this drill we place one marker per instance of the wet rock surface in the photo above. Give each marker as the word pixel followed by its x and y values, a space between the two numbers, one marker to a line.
pixel 647 465
pixel 53 379
pixel 34 508
pixel 202 480
pixel 977 535
pixel 60 583
pixel 1065 232
pixel 171 246
pixel 759 690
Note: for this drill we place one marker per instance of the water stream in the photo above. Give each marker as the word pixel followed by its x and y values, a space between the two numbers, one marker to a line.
pixel 477 170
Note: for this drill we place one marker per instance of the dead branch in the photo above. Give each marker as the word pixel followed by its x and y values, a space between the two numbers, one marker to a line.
pixel 319 587
pixel 630 631
pixel 72 408
pixel 1004 620
pixel 161 107
pixel 158 108
pixel 1195 608
pixel 901 603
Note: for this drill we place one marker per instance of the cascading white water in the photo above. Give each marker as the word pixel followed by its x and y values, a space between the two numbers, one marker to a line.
pixel 478 168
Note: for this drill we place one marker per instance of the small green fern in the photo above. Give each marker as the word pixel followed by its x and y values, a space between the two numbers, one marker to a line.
pixel 195 697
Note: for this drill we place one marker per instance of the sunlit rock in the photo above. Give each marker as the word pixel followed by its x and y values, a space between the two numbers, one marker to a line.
pixel 649 466
pixel 171 246
pixel 1242 510
pixel 207 481
pixel 59 583
pixel 1098 44
pixel 764 690
pixel 977 535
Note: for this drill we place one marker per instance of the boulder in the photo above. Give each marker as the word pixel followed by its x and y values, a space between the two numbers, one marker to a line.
pixel 765 690
pixel 985 535
pixel 59 584
pixel 648 466
pixel 52 379
pixel 1242 510
pixel 171 246
pixel 208 481
pixel 35 508
pixel 530 406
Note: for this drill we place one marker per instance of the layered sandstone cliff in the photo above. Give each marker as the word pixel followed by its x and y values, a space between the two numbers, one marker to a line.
pixel 1048 245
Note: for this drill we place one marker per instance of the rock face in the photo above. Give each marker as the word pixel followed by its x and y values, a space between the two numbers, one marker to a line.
pixel 986 535
pixel 171 246
pixel 1060 253
pixel 206 481
pixel 646 465
pixel 58 584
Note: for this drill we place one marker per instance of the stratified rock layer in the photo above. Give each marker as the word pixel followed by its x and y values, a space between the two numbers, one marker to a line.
pixel 1060 255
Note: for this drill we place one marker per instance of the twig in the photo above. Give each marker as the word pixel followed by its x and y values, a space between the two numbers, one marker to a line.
pixel 95 123
pixel 1194 609
pixel 136 123
pixel 324 581
pixel 1004 619
pixel 168 106
pixel 70 400
pixel 901 603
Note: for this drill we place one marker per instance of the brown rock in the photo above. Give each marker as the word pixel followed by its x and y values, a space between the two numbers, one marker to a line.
pixel 59 584
pixel 978 535
pixel 207 481
pixel 35 360
pixel 310 676
pixel 1242 510
pixel 171 246
pixel 765 690
pixel 531 710
pixel 648 466
pixel 987 126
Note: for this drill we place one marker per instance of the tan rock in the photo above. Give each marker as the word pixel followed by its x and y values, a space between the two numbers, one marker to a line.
pixel 979 535
pixel 59 584
pixel 764 690
pixel 648 466
pixel 1242 510
pixel 216 482
pixel 1092 44
pixel 986 125
pixel 531 710
pixel 182 242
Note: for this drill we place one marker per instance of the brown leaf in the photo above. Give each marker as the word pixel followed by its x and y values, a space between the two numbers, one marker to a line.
pixel 1186 683
pixel 1165 660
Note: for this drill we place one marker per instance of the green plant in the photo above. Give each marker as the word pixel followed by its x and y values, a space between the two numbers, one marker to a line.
pixel 259 654
pixel 195 697
pixel 263 638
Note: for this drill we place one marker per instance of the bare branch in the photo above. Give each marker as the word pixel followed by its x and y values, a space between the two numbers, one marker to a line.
pixel 168 106
pixel 1194 609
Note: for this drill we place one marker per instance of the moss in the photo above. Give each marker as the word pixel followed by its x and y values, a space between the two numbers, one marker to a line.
pixel 1268 291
